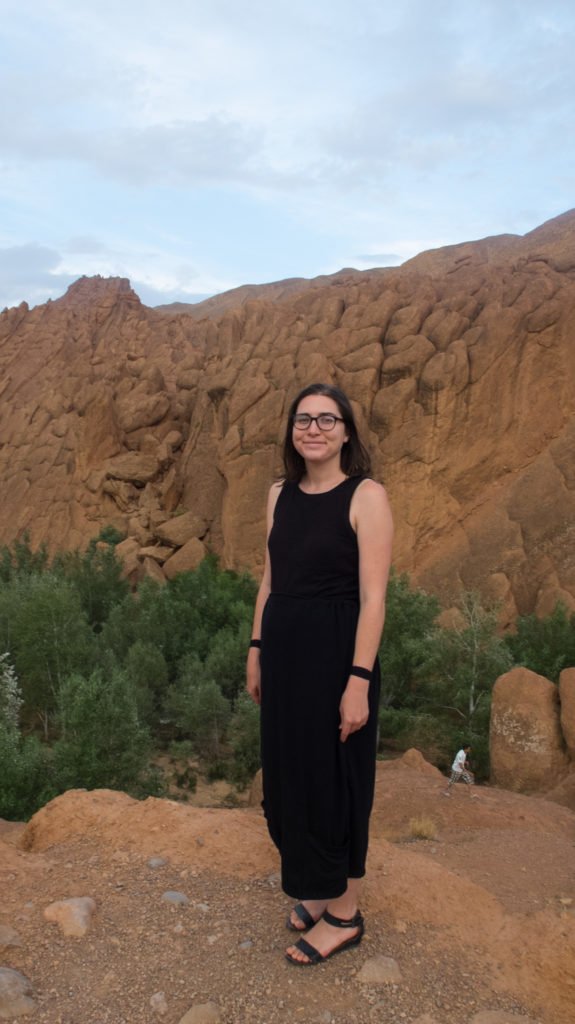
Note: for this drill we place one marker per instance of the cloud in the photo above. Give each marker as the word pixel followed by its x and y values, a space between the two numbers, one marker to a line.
pixel 381 259
pixel 200 146
pixel 151 296
pixel 31 272
pixel 82 244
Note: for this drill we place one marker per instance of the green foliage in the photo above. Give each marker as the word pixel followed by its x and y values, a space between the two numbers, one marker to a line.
pixel 226 659
pixel 47 632
pixel 545 646
pixel 201 713
pixel 409 616
pixel 103 743
pixel 110 535
pixel 24 762
pixel 21 560
pixel 25 775
pixel 170 661
pixel 244 736
pixel 146 668
pixel 10 698
pixel 460 666
pixel 96 575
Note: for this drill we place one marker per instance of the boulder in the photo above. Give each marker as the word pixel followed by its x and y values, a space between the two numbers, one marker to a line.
pixel 380 970
pixel 128 552
pixel 526 744
pixel 134 467
pixel 137 410
pixel 153 571
pixel 413 758
pixel 73 916
pixel 158 553
pixel 567 698
pixel 181 529
pixel 15 994
pixel 186 559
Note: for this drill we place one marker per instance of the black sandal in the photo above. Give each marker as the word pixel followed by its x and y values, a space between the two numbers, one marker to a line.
pixel 313 954
pixel 304 916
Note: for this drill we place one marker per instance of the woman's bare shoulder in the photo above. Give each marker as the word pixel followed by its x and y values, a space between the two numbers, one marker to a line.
pixel 369 493
pixel 370 486
pixel 370 502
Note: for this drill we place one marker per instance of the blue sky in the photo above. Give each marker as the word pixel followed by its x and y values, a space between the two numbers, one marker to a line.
pixel 194 147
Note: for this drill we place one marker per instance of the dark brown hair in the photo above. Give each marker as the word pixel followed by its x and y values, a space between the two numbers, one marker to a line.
pixel 354 459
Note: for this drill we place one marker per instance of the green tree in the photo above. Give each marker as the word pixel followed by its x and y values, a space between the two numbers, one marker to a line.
pixel 24 763
pixel 546 645
pixel 21 560
pixel 244 735
pixel 226 659
pixel 96 574
pixel 10 699
pixel 202 713
pixel 45 628
pixel 409 617
pixel 103 743
pixel 461 665
pixel 458 673
pixel 146 668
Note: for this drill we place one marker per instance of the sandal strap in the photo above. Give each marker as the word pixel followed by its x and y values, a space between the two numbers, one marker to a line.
pixel 304 915
pixel 340 922
pixel 305 947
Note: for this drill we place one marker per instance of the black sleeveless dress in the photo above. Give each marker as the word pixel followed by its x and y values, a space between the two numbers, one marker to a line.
pixel 318 791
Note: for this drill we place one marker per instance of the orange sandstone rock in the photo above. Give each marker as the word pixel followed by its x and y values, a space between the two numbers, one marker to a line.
pixel 459 364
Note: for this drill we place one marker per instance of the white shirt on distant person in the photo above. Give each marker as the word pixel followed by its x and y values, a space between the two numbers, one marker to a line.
pixel 459 763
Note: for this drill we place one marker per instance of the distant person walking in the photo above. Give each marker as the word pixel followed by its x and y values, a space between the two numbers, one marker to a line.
pixel 460 771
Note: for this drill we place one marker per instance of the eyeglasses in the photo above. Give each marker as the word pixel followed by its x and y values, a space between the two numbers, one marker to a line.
pixel 325 420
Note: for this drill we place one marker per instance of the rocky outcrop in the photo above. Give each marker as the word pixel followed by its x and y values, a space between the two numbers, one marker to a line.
pixel 527 749
pixel 567 700
pixel 459 364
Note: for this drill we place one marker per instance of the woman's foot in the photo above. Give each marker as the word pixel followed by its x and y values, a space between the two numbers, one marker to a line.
pixel 298 922
pixel 325 939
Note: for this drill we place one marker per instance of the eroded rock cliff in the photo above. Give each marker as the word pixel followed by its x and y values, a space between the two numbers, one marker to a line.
pixel 461 365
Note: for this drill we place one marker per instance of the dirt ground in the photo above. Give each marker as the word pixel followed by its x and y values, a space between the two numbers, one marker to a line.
pixel 480 917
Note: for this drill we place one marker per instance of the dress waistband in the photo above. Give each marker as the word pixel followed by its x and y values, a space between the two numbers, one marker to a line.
pixel 334 599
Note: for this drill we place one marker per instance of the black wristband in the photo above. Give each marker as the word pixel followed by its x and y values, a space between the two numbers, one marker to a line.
pixel 361 673
pixel 255 643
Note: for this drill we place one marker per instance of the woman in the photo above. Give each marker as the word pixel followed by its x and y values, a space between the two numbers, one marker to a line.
pixel 313 666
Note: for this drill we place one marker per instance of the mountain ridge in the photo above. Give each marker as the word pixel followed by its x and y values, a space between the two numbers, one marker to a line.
pixel 460 364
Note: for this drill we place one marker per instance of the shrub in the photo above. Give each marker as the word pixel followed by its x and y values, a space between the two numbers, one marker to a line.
pixel 245 742
pixel 410 614
pixel 147 670
pixel 202 713
pixel 102 741
pixel 49 637
pixel 26 775
pixel 547 645
pixel 422 828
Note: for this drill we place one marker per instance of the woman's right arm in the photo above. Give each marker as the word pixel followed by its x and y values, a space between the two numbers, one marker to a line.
pixel 253 685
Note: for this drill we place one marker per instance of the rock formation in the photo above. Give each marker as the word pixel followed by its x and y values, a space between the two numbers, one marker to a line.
pixel 526 743
pixel 460 365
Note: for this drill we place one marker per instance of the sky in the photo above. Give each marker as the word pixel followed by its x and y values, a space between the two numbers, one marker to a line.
pixel 197 146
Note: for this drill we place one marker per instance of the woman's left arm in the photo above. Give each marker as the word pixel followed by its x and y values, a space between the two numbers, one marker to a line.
pixel 372 521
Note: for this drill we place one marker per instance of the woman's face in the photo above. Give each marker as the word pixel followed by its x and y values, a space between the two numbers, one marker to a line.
pixel 312 443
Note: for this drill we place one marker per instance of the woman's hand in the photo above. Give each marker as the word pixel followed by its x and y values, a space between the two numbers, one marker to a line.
pixel 253 673
pixel 353 708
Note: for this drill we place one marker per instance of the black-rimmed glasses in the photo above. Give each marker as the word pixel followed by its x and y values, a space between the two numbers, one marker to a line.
pixel 325 420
